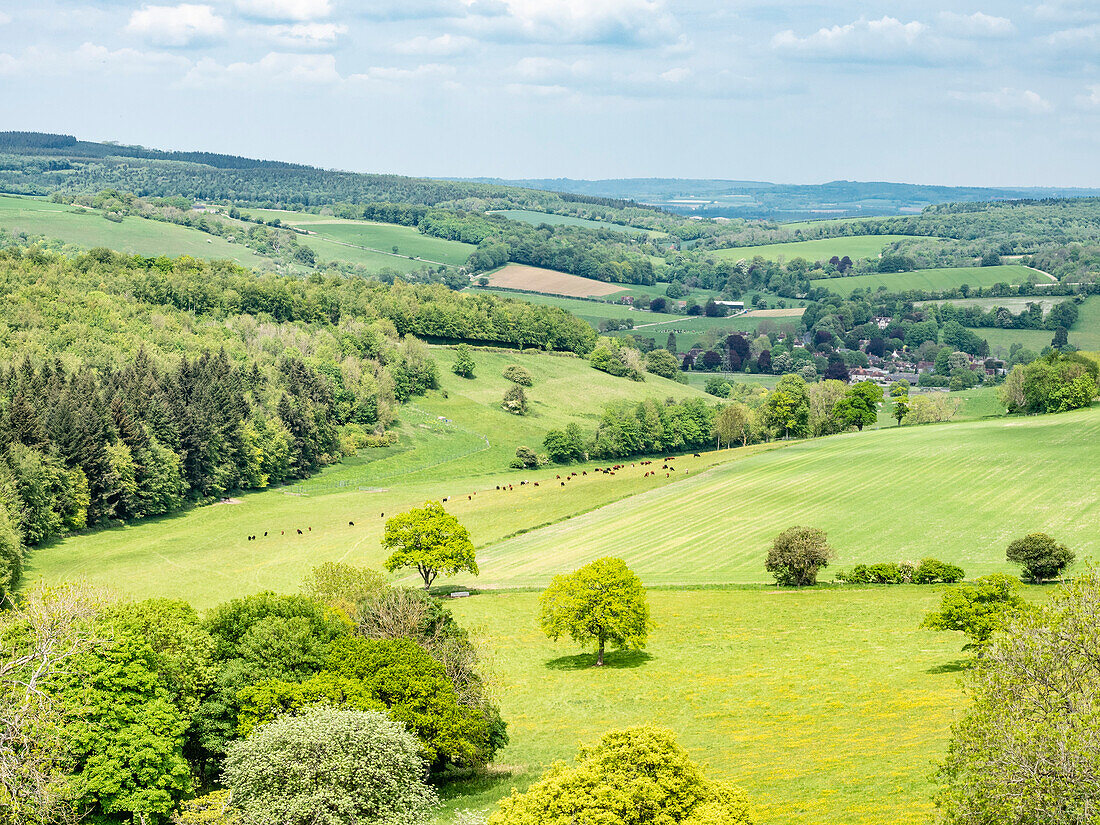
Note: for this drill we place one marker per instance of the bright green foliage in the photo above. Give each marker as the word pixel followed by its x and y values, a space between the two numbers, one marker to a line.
pixel 518 375
pixel 979 609
pixel 661 362
pixel 859 406
pixel 1026 752
pixel 638 776
pixel 733 424
pixel 464 362
pixel 514 401
pixel 899 389
pixel 11 552
pixel 330 767
pixel 1054 383
pixel 797 554
pixel 394 675
pixel 901 407
pixel 211 809
pixel 341 585
pixel 564 446
pixel 431 540
pixel 787 409
pixel 930 571
pixel 603 602
pixel 1040 556
pixel 126 743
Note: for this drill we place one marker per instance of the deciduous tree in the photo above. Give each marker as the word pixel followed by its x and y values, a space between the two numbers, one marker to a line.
pixel 1040 556
pixel 797 554
pixel 601 603
pixel 978 609
pixel 638 776
pixel 431 540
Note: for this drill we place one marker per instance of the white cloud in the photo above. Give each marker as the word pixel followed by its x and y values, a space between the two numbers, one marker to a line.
pixel 274 69
pixel 388 74
pixel 1005 100
pixel 297 10
pixel 176 25
pixel 1082 39
pixel 89 59
pixel 978 24
pixel 303 36
pixel 4 18
pixel 676 75
pixel 887 39
pixel 1064 11
pixel 1090 100
pixel 621 22
pixel 445 44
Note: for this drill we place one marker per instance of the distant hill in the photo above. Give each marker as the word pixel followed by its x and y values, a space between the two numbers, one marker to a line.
pixel 761 199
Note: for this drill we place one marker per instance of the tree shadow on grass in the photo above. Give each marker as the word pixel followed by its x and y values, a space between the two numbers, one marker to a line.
pixel 481 783
pixel 956 666
pixel 616 660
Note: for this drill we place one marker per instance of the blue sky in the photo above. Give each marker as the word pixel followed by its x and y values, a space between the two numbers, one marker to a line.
pixel 986 94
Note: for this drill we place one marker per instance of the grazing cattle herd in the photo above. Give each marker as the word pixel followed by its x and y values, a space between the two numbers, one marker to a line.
pixel 562 479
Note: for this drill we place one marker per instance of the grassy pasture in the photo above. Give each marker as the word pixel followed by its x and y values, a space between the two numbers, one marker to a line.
pixel 822 249
pixel 888 494
pixel 537 279
pixel 88 228
pixel 932 280
pixel 1013 305
pixel 536 218
pixel 450 447
pixel 826 706
pixel 885 494
pixel 1085 334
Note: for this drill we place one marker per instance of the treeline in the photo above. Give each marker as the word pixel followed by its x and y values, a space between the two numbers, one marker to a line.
pixel 1063 314
pixel 601 254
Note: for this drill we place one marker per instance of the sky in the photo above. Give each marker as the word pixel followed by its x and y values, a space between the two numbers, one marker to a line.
pixel 989 93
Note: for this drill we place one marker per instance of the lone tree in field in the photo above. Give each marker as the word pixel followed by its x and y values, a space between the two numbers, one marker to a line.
pixel 431 540
pixel 603 602
pixel 797 555
pixel 464 362
pixel 1027 751
pixel 1040 556
pixel 978 610
pixel 633 776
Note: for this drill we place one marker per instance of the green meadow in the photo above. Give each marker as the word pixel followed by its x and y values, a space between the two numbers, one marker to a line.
pixel 87 228
pixel 933 280
pixel 885 494
pixel 368 242
pixel 822 249
pixel 825 706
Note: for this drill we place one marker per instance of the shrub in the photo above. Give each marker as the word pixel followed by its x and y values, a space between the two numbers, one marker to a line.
pixel 515 401
pixel 526 459
pixel 796 556
pixel 330 767
pixel 930 571
pixel 518 375
pixel 464 362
